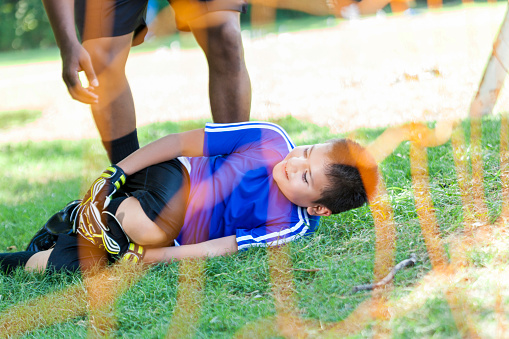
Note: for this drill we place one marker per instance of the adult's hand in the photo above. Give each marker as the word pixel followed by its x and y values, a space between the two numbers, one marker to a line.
pixel 76 59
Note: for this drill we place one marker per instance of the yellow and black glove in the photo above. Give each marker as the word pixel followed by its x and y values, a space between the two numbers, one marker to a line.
pixel 134 253
pixel 105 187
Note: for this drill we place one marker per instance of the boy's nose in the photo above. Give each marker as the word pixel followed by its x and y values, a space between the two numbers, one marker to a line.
pixel 295 164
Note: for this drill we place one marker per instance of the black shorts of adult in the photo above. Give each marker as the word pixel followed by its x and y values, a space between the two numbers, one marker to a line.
pixel 110 18
pixel 162 191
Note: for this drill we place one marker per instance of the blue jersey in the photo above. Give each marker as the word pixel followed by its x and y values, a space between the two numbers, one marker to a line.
pixel 232 191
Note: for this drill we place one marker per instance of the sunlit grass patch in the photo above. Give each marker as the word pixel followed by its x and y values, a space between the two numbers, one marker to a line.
pixel 10 119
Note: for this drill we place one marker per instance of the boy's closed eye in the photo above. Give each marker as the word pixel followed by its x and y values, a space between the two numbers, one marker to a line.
pixel 304 177
pixel 307 152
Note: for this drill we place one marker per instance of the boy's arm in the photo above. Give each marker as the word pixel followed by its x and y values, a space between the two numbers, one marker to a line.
pixel 189 144
pixel 211 248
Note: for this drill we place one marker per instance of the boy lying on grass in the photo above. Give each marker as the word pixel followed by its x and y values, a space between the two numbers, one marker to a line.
pixel 210 191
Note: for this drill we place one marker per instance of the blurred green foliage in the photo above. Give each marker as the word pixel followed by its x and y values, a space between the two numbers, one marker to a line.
pixel 24 25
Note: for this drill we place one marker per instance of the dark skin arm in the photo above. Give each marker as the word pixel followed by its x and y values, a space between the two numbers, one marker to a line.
pixel 75 58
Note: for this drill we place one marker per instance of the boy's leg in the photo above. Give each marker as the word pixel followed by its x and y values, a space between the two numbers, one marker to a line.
pixel 10 261
pixel 38 261
pixel 138 226
pixel 59 223
pixel 70 253
pixel 163 191
pixel 73 253
pixel 114 114
pixel 218 33
pixel 155 212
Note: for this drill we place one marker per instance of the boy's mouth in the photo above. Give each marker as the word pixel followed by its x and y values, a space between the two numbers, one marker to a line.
pixel 286 172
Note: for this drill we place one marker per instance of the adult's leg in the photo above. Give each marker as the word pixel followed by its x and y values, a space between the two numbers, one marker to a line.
pixel 218 34
pixel 114 114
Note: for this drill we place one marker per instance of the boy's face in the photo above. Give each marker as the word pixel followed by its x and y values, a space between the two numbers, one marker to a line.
pixel 301 175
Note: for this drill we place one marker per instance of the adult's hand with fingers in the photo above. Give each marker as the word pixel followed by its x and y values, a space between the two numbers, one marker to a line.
pixel 76 59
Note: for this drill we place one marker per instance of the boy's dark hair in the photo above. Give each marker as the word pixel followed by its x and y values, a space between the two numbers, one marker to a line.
pixel 353 177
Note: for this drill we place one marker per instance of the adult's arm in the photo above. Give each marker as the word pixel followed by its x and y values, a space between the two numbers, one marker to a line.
pixel 75 58
pixel 210 248
pixel 188 144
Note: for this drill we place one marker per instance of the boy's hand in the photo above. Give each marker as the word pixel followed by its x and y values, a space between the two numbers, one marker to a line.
pixel 134 253
pixel 104 187
pixel 93 226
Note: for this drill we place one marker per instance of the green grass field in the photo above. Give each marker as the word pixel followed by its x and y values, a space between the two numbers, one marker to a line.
pixel 37 179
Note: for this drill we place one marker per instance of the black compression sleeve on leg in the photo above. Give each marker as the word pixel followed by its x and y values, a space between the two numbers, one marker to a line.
pixel 120 148
pixel 10 261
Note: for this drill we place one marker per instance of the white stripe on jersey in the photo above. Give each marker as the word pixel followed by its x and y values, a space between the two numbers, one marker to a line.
pixel 279 241
pixel 277 235
pixel 211 127
pixel 185 161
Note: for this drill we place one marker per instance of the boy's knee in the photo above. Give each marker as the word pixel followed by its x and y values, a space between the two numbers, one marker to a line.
pixel 155 237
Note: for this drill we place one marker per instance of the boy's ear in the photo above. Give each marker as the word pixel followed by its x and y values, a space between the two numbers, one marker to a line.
pixel 319 210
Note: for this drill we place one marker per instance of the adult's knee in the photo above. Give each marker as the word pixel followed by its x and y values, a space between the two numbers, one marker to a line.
pixel 108 55
pixel 101 57
pixel 224 48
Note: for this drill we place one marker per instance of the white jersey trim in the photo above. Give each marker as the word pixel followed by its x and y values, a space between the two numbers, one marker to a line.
pixel 261 241
pixel 212 128
pixel 187 164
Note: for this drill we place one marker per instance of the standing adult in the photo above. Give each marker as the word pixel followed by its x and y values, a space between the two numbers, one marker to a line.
pixel 108 29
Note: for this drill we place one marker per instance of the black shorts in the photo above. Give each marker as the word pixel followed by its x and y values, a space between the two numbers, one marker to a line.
pixel 162 191
pixel 74 253
pixel 109 18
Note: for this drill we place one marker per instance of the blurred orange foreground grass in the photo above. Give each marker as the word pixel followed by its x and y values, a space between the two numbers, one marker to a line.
pixel 448 275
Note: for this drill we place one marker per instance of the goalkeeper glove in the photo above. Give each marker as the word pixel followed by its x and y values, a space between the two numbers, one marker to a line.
pixel 102 229
pixel 105 187
pixel 134 253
